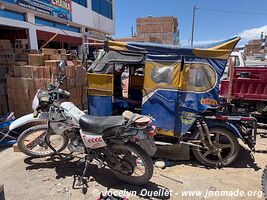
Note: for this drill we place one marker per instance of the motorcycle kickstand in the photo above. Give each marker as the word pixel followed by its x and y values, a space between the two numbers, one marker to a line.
pixel 82 179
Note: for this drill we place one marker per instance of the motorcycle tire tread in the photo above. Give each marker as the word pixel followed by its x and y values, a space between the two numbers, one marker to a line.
pixel 28 132
pixel 146 158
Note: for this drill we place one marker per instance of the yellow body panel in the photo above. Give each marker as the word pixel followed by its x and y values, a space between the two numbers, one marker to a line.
pixel 164 132
pixel 150 85
pixel 100 84
pixel 221 51
pixel 119 46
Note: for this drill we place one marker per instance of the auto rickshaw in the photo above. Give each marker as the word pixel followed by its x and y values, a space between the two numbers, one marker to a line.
pixel 179 89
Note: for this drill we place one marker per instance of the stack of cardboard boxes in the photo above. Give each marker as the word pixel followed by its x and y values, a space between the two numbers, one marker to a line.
pixel 11 56
pixel 27 79
pixel 7 58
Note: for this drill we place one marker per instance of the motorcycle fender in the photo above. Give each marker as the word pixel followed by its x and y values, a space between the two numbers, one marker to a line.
pixel 147 143
pixel 227 125
pixel 42 117
pixel 92 141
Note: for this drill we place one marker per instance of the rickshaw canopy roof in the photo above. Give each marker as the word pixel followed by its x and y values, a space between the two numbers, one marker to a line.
pixel 220 50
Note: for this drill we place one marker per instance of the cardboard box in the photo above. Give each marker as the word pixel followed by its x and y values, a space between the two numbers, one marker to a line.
pixel 10 93
pixel 54 70
pixel 11 105
pixel 32 94
pixel 70 71
pixel 26 71
pixel 61 51
pixel 41 83
pixel 21 63
pixel 58 57
pixel 27 83
pixel 16 71
pixel 52 63
pixel 11 82
pixel 79 90
pixel 70 82
pixel 47 51
pixel 36 59
pixel 47 57
pixel 21 95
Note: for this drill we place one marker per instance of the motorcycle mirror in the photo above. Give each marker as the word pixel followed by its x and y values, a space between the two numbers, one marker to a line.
pixel 62 65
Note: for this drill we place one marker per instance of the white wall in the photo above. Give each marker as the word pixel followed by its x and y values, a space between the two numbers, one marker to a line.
pixel 81 17
pixel 91 19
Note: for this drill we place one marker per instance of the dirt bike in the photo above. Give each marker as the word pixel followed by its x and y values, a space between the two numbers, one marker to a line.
pixel 122 143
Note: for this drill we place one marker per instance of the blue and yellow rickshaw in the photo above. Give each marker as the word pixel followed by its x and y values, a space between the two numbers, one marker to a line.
pixel 179 88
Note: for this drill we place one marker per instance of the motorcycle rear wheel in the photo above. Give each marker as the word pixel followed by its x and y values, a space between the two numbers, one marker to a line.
pixel 31 142
pixel 142 158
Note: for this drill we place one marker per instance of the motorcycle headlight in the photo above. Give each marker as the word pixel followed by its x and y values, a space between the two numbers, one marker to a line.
pixel 35 102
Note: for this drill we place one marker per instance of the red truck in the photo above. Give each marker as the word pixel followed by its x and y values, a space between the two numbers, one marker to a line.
pixel 246 86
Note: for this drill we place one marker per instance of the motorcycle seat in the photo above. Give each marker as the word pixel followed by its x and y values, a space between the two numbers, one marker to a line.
pixel 97 125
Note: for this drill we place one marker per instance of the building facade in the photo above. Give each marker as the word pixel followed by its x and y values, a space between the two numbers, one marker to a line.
pixel 252 49
pixel 162 30
pixel 74 21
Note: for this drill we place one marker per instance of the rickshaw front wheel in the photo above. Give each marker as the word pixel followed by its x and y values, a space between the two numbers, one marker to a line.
pixel 225 151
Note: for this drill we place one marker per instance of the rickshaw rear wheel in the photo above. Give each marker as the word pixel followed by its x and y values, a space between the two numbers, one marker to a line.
pixel 225 152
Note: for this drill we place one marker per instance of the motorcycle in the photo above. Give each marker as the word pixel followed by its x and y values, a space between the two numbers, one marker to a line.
pixel 122 143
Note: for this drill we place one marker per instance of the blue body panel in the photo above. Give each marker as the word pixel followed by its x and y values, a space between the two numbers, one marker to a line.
pixel 175 110
pixel 100 105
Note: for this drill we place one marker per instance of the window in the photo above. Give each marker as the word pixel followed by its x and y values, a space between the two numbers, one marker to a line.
pixel 81 2
pixel 50 23
pixel 197 77
pixel 162 75
pixel 12 15
pixel 103 7
pixel 237 61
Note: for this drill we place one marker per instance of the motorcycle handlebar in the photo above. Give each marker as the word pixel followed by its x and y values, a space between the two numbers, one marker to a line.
pixel 63 94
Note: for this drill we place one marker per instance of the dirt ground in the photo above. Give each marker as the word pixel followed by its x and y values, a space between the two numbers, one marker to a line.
pixel 25 178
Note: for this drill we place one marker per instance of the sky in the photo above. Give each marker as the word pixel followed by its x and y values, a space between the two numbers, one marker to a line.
pixel 215 20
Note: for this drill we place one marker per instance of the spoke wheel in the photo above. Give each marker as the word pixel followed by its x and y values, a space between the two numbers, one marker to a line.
pixel 32 142
pixel 136 165
pixel 225 149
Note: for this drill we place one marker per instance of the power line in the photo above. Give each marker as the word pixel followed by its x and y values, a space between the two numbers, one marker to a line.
pixel 231 11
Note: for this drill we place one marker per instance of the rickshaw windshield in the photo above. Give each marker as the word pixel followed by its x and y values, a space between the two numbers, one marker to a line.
pixel 101 64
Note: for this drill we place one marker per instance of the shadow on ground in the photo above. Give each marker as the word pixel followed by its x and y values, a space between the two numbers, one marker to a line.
pixel 102 176
pixel 245 159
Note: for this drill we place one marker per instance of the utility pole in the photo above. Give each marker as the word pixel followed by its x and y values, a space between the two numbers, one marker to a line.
pixel 193 25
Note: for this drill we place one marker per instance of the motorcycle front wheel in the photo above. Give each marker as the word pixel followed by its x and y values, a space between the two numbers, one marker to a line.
pixel 136 164
pixel 32 142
